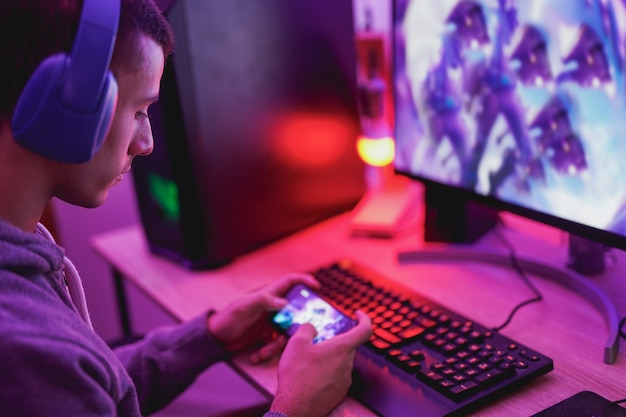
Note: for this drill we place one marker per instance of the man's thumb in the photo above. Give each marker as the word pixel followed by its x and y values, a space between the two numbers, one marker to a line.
pixel 306 331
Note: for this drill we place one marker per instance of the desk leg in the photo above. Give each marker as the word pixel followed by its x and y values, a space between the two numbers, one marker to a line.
pixel 122 303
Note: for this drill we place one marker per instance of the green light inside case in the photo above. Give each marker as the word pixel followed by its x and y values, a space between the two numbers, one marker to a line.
pixel 165 194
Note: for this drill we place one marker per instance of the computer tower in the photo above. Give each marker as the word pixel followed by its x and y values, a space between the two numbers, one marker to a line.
pixel 255 128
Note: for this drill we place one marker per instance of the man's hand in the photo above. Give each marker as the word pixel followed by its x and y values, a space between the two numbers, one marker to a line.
pixel 314 378
pixel 245 323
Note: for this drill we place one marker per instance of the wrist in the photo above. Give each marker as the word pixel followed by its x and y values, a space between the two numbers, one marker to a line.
pixel 210 328
pixel 274 413
pixel 284 405
pixel 215 327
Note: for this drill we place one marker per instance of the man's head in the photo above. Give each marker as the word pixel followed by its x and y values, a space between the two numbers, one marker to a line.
pixel 35 29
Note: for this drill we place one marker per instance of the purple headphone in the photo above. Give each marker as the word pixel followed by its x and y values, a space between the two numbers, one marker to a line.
pixel 66 108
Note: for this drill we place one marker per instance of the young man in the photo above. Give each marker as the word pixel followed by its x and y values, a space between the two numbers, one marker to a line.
pixel 52 361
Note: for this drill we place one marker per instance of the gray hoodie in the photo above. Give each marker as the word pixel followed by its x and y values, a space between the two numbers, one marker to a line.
pixel 52 363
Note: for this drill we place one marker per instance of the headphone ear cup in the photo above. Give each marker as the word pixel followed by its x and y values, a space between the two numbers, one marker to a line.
pixel 36 94
pixel 44 124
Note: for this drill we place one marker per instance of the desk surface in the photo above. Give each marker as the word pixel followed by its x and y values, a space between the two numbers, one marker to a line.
pixel 564 326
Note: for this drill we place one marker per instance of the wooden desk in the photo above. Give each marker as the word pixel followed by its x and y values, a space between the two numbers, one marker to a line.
pixel 563 326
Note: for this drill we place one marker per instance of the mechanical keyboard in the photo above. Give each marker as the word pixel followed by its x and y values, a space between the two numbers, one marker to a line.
pixel 423 359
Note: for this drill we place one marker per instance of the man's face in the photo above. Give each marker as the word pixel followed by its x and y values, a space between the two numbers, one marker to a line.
pixel 130 135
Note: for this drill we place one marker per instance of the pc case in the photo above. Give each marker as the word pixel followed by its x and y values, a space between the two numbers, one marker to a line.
pixel 254 130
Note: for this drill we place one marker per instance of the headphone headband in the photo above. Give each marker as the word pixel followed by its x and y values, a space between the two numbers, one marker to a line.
pixel 88 70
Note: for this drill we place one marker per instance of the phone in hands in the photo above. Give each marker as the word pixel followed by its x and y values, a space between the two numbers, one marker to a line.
pixel 306 306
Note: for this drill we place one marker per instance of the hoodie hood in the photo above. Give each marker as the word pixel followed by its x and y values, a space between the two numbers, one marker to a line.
pixel 28 254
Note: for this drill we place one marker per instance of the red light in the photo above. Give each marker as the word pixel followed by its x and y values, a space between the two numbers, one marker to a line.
pixel 311 139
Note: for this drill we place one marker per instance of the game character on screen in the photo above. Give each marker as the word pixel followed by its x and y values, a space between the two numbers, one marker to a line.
pixel 499 100
pixel 450 84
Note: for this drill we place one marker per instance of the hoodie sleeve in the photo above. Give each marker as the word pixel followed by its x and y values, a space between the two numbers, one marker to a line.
pixel 47 376
pixel 167 360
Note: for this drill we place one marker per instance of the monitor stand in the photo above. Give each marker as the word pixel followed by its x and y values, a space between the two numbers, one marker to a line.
pixel 453 218
pixel 586 256
pixel 567 277
pixel 459 222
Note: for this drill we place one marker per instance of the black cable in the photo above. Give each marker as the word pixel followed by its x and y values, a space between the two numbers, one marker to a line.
pixel 520 272
pixel 538 297
pixel 612 404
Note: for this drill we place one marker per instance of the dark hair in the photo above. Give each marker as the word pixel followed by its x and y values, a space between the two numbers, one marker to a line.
pixel 137 17
pixel 32 30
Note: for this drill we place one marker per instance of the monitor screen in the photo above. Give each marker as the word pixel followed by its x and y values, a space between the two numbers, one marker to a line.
pixel 519 104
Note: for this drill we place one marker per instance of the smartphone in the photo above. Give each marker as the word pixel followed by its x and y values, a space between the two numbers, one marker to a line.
pixel 306 306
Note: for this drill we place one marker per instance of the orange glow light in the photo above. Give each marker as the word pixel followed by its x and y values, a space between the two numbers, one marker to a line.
pixel 377 152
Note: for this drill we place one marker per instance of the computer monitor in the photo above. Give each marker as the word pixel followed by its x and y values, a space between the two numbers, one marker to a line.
pixel 515 105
